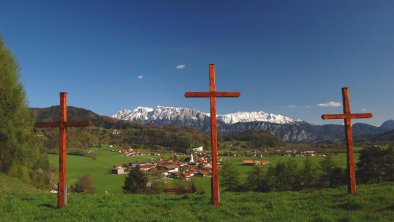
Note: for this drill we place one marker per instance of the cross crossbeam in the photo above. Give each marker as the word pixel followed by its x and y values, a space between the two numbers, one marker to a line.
pixel 212 94
pixel 62 125
pixel 347 118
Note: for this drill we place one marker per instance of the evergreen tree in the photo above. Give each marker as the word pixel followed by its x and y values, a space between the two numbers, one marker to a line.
pixel 308 172
pixel 292 175
pixel 230 177
pixel 326 167
pixel 136 181
pixel 257 180
pixel 337 177
pixel 375 165
pixel 280 180
pixel 389 165
pixel 19 152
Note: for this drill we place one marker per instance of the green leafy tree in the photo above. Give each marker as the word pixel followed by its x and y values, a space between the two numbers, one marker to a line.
pixel 230 177
pixel 19 151
pixel 136 181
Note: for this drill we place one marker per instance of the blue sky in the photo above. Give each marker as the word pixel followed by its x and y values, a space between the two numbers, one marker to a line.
pixel 285 57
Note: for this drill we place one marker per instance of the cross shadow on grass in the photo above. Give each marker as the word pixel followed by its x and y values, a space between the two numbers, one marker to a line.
pixel 48 205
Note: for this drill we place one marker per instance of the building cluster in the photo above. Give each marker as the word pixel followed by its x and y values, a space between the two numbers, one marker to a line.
pixel 132 152
pixel 195 165
pixel 289 153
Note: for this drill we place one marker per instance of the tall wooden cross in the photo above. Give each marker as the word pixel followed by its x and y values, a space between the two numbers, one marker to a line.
pixel 212 94
pixel 347 119
pixel 62 124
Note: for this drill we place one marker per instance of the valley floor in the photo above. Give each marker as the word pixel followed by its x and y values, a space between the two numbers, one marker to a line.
pixel 372 203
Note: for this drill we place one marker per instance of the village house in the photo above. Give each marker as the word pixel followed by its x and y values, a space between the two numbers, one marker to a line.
pixel 254 162
pixel 198 149
pixel 119 169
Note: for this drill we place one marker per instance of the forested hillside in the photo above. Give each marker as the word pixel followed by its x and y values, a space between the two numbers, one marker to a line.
pixel 107 130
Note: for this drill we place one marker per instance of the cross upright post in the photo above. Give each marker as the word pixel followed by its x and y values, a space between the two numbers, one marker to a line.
pixel 212 94
pixel 62 124
pixel 347 119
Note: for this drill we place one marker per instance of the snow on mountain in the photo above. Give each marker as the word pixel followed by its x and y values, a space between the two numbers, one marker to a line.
pixel 171 115
pixel 139 114
pixel 261 116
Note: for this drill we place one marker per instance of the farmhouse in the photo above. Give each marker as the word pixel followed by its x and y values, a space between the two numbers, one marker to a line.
pixel 118 169
pixel 254 162
pixel 198 149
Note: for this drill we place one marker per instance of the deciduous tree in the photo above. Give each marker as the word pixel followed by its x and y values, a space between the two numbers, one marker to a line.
pixel 19 151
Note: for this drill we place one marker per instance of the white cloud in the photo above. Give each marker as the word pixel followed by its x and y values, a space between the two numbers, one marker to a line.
pixel 307 107
pixel 181 66
pixel 364 109
pixel 291 106
pixel 140 77
pixel 329 104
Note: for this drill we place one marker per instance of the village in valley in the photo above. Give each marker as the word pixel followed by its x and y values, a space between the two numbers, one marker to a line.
pixel 176 167
pixel 198 164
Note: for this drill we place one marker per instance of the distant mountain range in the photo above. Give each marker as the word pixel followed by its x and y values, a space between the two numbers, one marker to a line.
pixel 283 127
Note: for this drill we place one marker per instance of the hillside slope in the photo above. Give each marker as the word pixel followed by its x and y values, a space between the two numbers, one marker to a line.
pixel 13 185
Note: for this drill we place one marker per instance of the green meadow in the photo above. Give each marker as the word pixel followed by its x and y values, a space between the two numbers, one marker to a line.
pixel 100 168
pixel 21 202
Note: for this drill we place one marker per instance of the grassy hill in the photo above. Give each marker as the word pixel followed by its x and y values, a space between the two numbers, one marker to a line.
pixel 14 185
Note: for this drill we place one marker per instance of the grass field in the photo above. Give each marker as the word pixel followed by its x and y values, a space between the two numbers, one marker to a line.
pixel 372 203
pixel 99 169
pixel 21 202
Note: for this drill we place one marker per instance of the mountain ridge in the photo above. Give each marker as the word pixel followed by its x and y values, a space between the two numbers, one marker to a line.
pixel 295 132
pixel 147 114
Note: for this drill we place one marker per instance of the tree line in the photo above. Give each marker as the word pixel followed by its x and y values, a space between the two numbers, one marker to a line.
pixel 376 165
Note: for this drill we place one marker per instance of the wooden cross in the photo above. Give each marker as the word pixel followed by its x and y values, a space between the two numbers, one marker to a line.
pixel 62 124
pixel 347 119
pixel 212 94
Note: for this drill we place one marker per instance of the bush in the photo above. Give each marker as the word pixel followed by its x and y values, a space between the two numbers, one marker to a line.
pixel 84 185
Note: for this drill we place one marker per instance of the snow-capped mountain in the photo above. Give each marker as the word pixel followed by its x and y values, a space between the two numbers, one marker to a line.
pixel 261 116
pixel 139 114
pixel 173 115
pixel 162 115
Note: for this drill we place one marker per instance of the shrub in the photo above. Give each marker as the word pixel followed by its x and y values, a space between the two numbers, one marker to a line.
pixel 84 185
